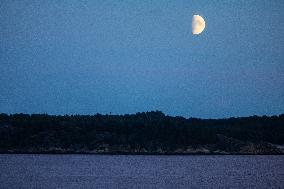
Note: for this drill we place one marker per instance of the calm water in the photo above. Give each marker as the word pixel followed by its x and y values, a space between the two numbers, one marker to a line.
pixel 104 171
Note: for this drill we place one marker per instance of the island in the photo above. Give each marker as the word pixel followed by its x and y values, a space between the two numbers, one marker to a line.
pixel 141 133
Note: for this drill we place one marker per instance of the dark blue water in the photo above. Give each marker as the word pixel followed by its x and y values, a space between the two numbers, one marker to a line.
pixel 104 171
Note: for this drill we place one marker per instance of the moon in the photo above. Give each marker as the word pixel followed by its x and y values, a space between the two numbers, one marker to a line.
pixel 198 24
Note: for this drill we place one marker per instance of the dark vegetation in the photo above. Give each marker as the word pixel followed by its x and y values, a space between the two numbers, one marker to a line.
pixel 149 132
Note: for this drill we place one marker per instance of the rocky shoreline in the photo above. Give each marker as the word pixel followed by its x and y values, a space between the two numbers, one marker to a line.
pixel 234 148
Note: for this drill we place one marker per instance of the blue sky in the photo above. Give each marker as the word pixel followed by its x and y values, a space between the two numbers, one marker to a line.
pixel 87 57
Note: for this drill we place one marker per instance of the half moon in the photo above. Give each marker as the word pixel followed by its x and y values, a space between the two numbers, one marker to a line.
pixel 198 24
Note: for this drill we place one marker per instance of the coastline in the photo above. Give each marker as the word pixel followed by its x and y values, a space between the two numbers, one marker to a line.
pixel 135 153
pixel 149 133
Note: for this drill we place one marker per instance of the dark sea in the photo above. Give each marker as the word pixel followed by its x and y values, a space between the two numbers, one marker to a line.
pixel 143 171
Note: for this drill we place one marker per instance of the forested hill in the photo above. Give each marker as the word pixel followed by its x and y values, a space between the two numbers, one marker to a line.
pixel 140 133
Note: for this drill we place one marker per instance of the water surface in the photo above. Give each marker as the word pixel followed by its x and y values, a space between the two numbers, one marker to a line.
pixel 126 171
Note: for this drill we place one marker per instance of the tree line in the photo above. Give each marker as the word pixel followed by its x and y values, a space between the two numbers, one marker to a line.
pixel 146 130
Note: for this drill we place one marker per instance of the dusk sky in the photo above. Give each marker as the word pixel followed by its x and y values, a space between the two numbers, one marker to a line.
pixel 88 57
